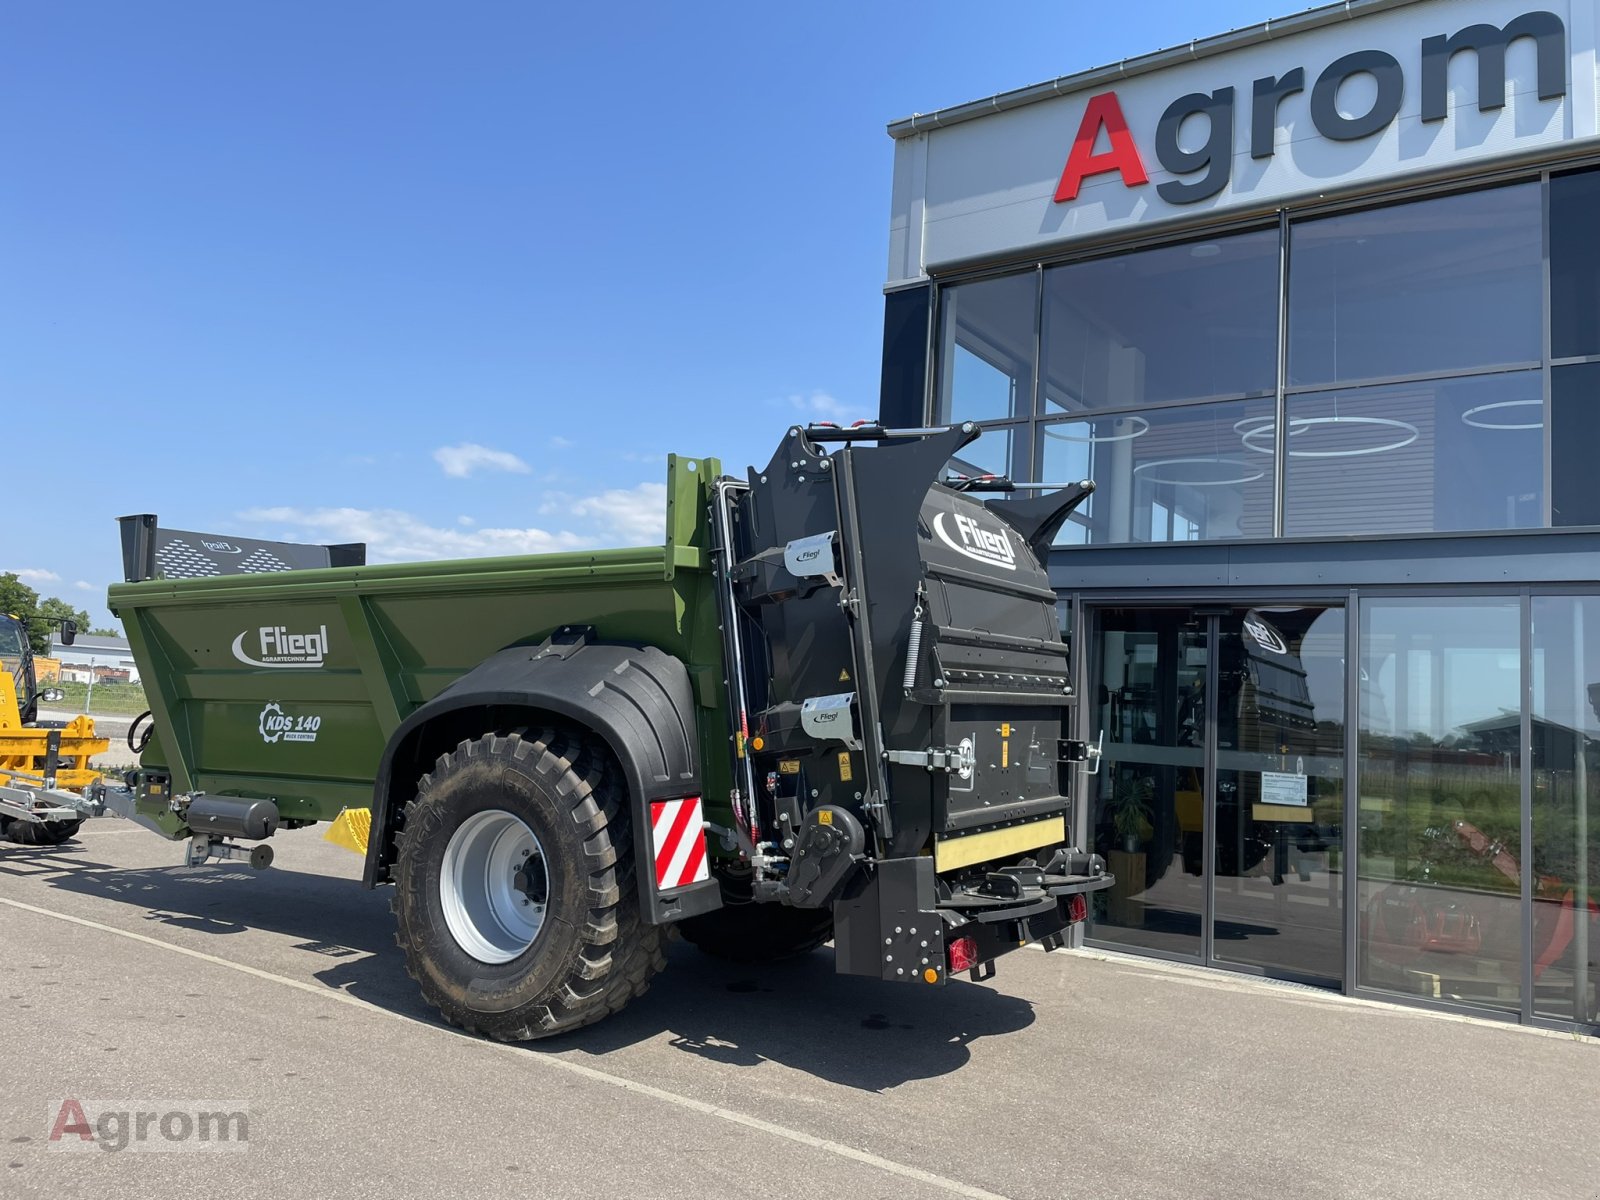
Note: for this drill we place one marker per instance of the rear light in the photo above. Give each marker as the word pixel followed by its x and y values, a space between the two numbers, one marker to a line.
pixel 1077 908
pixel 963 954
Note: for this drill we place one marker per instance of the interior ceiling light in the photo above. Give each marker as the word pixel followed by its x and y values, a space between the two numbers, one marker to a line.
pixel 1256 424
pixel 1231 472
pixel 1467 417
pixel 1408 433
pixel 1095 439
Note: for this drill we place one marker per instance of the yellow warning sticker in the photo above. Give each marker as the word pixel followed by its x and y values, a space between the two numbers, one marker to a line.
pixel 1005 728
pixel 788 766
pixel 844 767
pixel 844 675
pixel 824 816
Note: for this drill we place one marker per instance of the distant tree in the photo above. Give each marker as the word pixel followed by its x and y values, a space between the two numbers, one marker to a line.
pixel 22 602
pixel 114 633
pixel 55 610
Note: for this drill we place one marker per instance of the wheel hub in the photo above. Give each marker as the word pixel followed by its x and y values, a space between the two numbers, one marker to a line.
pixel 494 886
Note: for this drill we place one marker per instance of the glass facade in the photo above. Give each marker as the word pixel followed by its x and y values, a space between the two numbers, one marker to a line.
pixel 1220 806
pixel 1564 720
pixel 1393 790
pixel 1411 368
pixel 1472 864
pixel 1439 804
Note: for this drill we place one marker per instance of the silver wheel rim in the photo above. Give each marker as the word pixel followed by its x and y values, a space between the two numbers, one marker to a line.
pixel 489 889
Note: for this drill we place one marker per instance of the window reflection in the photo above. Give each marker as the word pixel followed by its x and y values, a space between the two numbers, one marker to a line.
pixel 1167 475
pixel 986 349
pixel 1447 454
pixel 1566 807
pixel 1574 265
pixel 1440 800
pixel 1183 322
pixel 1279 890
pixel 1437 285
pixel 1574 433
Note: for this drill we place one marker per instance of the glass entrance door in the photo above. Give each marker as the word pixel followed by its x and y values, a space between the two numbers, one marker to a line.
pixel 1220 806
pixel 1149 809
pixel 1278 878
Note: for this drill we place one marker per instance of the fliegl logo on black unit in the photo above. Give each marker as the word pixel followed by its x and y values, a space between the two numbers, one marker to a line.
pixel 990 546
pixel 280 648
pixel 1265 635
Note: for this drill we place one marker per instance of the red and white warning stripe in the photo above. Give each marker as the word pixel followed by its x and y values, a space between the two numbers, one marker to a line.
pixel 679 839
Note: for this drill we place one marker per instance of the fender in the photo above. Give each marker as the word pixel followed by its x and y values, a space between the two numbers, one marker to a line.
pixel 638 698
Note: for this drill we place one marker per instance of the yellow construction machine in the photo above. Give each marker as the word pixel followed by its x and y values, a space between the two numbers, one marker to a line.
pixel 46 783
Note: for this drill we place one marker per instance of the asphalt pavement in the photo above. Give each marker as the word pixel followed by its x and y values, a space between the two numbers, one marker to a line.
pixel 133 986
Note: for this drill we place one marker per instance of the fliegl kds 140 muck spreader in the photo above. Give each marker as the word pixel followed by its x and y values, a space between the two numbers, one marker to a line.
pixel 830 706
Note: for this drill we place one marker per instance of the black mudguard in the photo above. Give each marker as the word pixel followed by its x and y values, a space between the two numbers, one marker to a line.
pixel 638 698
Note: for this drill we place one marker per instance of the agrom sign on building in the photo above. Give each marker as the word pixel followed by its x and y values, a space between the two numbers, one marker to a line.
pixel 1314 105
pixel 1202 171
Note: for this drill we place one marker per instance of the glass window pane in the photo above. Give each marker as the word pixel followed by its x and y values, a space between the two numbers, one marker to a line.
pixel 1148 799
pixel 986 349
pixel 1566 808
pixel 1574 434
pixel 1279 718
pixel 1440 800
pixel 1174 323
pixel 1574 264
pixel 1167 475
pixel 1435 285
pixel 1451 454
pixel 989 455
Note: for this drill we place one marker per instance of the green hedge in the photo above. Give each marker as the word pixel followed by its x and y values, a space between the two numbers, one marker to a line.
pixel 108 698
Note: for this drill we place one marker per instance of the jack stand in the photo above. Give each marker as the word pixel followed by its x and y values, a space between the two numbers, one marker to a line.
pixel 202 847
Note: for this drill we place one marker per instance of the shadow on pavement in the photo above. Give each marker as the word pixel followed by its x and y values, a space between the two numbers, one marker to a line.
pixel 855 1032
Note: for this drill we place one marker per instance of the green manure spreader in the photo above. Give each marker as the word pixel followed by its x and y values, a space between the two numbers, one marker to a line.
pixel 829 706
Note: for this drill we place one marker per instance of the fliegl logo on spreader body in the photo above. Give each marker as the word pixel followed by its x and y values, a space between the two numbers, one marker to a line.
pixel 990 546
pixel 280 648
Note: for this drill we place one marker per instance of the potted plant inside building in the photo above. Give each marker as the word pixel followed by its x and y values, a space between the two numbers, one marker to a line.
pixel 1129 809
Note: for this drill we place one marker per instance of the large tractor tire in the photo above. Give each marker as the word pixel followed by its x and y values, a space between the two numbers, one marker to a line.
pixel 745 932
pixel 41 833
pixel 516 899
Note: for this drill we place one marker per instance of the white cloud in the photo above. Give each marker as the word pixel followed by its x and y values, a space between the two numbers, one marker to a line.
pixel 466 522
pixel 460 462
pixel 36 575
pixel 635 516
pixel 561 443
pixel 83 585
pixel 395 536
pixel 820 406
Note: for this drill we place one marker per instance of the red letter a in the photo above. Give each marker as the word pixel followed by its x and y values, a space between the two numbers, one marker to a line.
pixel 71 1120
pixel 1103 113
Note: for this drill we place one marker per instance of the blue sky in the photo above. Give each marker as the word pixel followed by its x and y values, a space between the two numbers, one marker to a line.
pixel 452 279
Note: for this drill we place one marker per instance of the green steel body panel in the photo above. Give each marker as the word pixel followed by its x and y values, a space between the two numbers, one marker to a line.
pixel 287 686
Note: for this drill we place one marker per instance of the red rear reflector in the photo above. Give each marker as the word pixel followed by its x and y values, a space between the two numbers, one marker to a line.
pixel 1077 907
pixel 963 954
